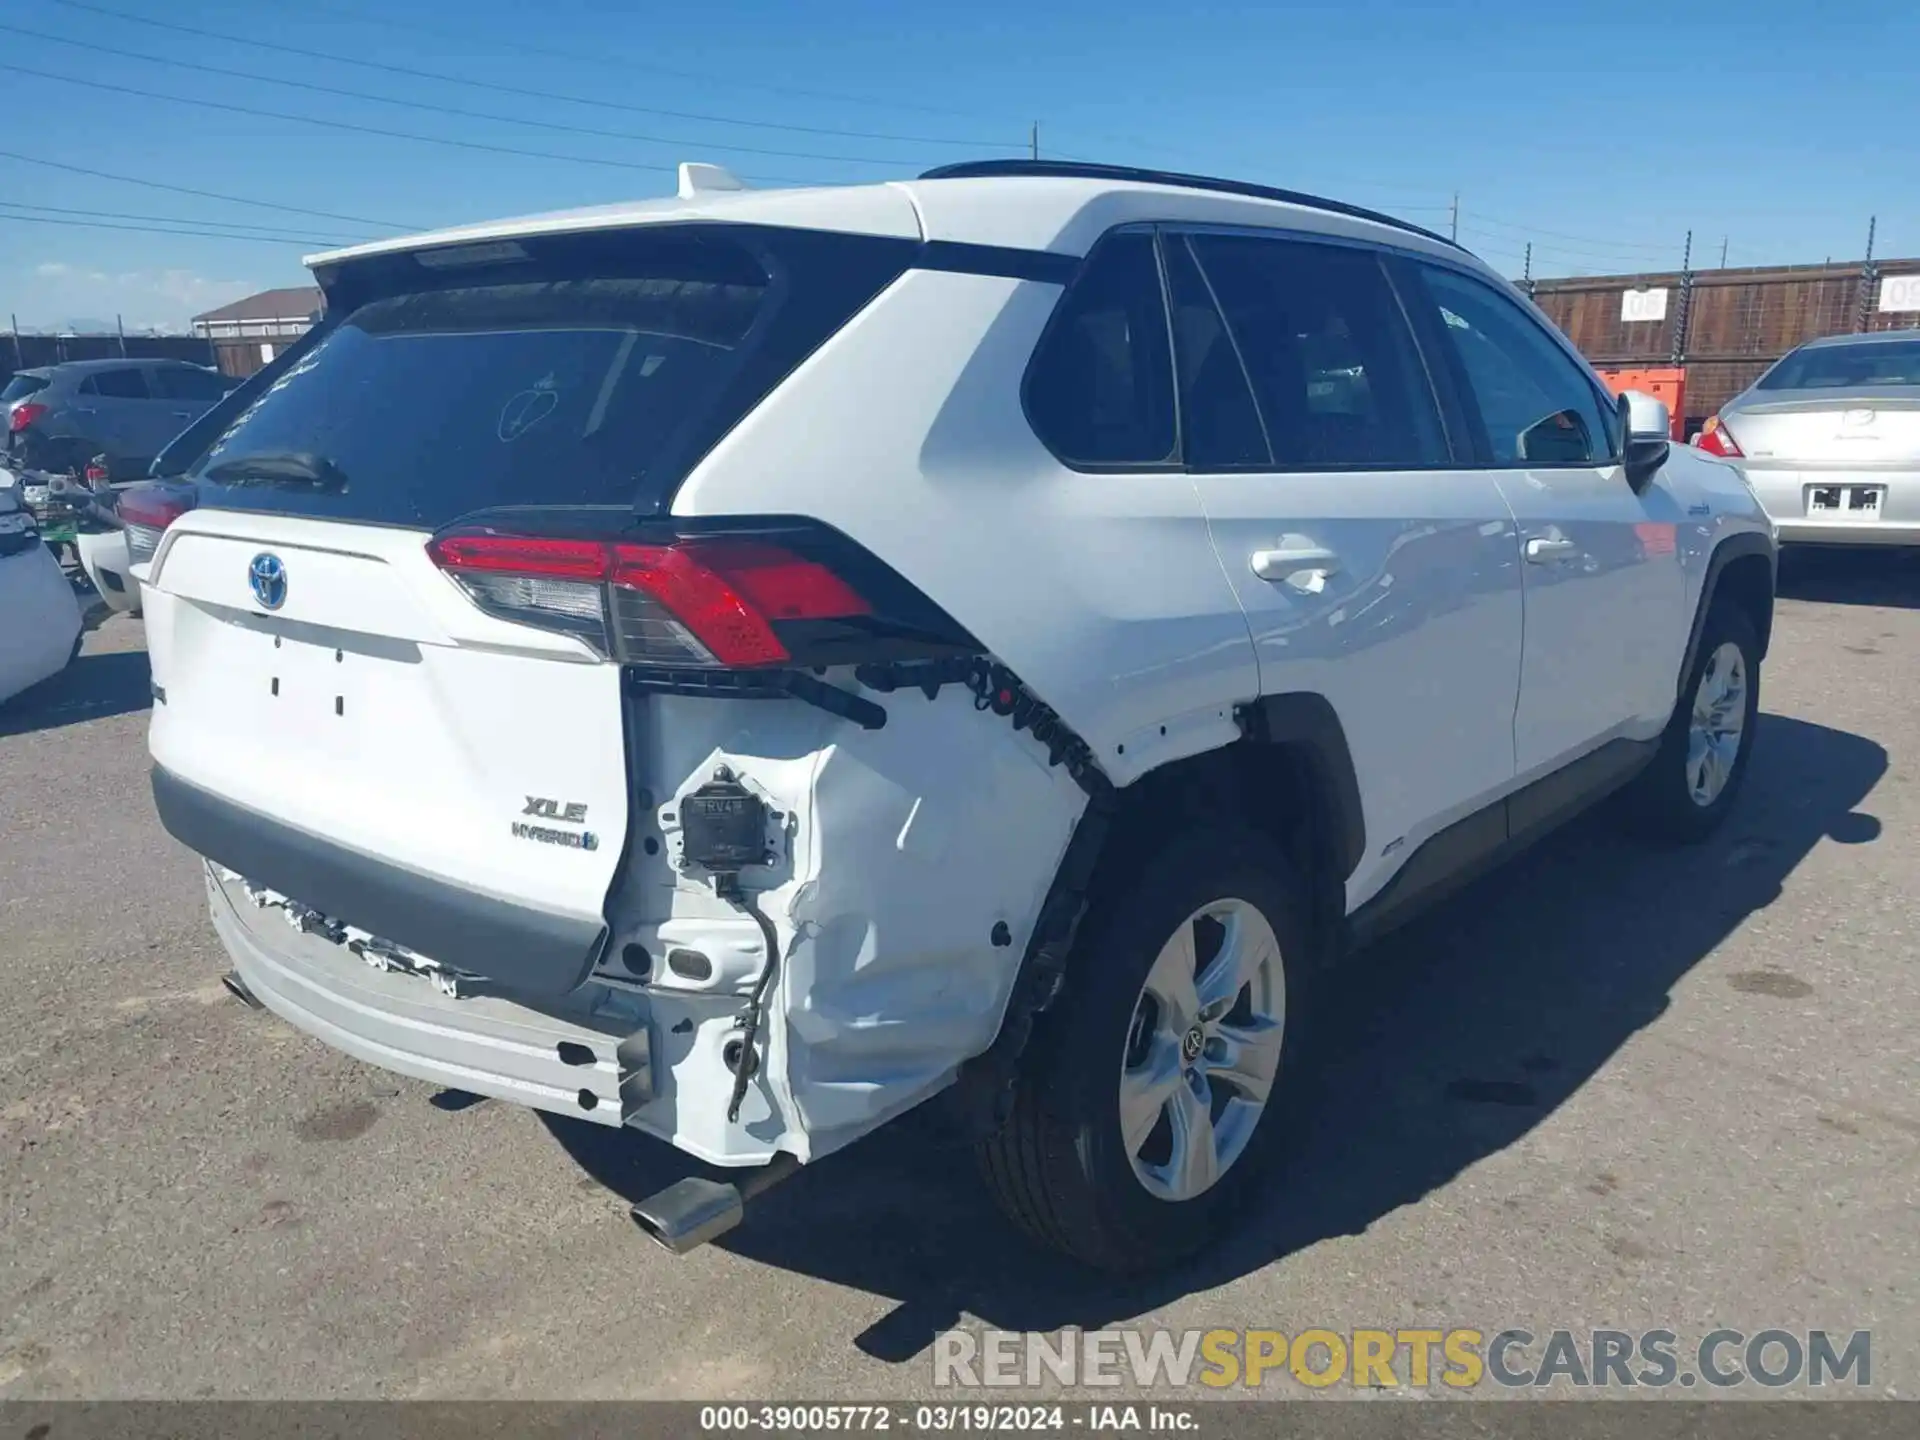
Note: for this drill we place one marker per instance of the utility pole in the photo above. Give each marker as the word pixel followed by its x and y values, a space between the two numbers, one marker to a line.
pixel 1453 219
pixel 1869 272
pixel 1034 140
pixel 1526 270
pixel 120 329
pixel 19 359
pixel 1723 252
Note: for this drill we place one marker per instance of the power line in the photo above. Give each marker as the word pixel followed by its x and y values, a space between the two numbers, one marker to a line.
pixel 1515 226
pixel 629 67
pixel 155 230
pixel 268 231
pixel 374 130
pixel 1576 253
pixel 626 67
pixel 432 108
pixel 531 94
pixel 203 194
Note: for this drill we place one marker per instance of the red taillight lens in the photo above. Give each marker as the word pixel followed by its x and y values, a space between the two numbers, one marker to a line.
pixel 152 505
pixel 96 474
pixel 693 602
pixel 1716 439
pixel 24 414
pixel 146 511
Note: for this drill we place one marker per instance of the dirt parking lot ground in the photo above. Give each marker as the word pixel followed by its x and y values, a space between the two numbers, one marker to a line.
pixel 1602 1089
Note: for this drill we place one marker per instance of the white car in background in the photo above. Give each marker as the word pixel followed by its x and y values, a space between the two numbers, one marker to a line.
pixel 40 620
pixel 105 559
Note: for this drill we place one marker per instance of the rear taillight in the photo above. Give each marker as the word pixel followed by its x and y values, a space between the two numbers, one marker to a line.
pixel 96 472
pixel 145 511
pixel 24 414
pixel 701 601
pixel 1716 439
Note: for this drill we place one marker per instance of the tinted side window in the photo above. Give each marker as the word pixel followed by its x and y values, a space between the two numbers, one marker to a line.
pixel 1100 387
pixel 1538 406
pixel 172 384
pixel 1219 423
pixel 116 384
pixel 1332 360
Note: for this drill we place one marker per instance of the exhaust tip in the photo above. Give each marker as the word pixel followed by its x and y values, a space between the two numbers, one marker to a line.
pixel 237 988
pixel 689 1213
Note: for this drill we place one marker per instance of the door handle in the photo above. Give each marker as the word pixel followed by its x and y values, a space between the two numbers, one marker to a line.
pixel 183 414
pixel 1542 551
pixel 1285 564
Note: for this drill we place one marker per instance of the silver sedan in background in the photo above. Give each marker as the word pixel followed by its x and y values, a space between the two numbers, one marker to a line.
pixel 1829 438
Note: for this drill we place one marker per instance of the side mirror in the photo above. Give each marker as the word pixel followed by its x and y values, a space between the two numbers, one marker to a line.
pixel 1648 429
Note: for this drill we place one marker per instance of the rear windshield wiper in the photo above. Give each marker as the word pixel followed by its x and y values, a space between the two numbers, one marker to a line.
pixel 278 467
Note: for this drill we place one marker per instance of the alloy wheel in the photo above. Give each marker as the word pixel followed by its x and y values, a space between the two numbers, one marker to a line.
pixel 1203 1050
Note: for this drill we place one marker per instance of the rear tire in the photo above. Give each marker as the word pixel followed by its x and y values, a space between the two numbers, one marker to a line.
pixel 1137 1131
pixel 1684 795
pixel 60 457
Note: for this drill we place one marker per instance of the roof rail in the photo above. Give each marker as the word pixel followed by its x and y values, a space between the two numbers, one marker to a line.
pixel 1078 170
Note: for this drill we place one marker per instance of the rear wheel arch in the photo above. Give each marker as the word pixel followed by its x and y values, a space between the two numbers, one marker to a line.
pixel 1306 726
pixel 1290 777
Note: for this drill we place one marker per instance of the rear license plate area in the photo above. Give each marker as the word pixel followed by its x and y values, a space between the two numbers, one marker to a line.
pixel 306 684
pixel 1855 502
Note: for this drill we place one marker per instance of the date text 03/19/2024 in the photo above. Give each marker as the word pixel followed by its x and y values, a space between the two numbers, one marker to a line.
pixel 943 1419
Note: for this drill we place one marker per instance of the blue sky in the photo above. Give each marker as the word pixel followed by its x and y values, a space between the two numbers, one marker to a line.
pixel 1599 132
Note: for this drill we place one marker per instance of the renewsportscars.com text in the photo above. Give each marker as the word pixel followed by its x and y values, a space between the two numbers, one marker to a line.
pixel 1453 1359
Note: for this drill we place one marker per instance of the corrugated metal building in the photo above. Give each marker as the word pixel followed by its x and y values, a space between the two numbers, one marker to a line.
pixel 1725 327
pixel 250 332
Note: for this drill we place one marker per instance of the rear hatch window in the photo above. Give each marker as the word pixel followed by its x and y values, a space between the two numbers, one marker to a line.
pixel 21 386
pixel 1849 367
pixel 592 370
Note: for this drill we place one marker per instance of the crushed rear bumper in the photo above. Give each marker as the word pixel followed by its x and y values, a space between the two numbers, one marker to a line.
pixel 592 1066
pixel 529 951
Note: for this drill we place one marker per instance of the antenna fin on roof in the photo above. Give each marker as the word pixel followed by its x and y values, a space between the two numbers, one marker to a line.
pixel 705 179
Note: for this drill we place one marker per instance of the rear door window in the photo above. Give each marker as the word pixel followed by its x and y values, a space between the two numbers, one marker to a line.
pixel 184 384
pixel 1220 426
pixel 1333 364
pixel 127 384
pixel 1100 385
pixel 595 373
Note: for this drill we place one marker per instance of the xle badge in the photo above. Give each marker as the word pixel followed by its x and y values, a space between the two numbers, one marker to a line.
pixel 572 813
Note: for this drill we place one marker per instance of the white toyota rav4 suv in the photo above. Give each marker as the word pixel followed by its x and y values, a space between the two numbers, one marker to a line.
pixel 743 665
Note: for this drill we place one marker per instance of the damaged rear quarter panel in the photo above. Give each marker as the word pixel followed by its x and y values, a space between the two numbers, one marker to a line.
pixel 908 845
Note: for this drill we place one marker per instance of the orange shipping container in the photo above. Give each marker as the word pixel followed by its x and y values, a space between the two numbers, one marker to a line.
pixel 1667 384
